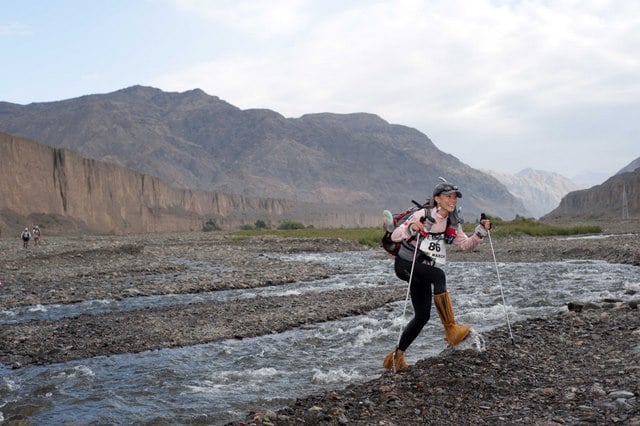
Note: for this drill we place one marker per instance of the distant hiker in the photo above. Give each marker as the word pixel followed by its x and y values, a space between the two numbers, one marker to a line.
pixel 26 236
pixel 36 235
pixel 434 227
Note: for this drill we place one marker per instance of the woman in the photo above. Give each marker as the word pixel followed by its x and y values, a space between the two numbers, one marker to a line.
pixel 433 228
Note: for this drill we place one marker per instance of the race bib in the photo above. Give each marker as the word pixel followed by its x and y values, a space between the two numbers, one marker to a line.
pixel 435 248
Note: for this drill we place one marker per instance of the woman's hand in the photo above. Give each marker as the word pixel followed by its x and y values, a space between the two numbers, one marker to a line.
pixel 482 230
pixel 417 227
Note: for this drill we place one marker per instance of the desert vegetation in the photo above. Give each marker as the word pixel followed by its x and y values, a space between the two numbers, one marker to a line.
pixel 371 236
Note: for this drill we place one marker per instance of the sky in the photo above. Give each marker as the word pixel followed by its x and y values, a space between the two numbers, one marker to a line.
pixel 501 85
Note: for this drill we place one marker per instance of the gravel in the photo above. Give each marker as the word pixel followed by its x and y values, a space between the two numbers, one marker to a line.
pixel 573 368
pixel 576 369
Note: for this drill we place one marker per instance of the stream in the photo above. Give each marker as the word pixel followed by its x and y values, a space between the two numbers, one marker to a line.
pixel 220 382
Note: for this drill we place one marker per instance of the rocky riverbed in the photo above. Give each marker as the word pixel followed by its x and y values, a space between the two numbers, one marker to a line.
pixel 573 368
pixel 570 369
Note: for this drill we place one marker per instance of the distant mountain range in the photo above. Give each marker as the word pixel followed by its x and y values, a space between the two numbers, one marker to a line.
pixel 552 196
pixel 352 163
pixel 193 140
pixel 539 191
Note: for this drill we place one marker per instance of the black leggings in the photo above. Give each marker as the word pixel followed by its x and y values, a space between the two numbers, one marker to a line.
pixel 420 288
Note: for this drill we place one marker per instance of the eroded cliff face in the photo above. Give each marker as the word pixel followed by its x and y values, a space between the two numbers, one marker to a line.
pixel 59 189
pixel 605 200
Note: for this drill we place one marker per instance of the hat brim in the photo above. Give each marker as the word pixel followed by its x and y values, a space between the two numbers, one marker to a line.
pixel 458 193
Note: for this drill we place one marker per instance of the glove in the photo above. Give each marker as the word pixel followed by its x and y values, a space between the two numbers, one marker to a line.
pixel 480 231
pixel 485 219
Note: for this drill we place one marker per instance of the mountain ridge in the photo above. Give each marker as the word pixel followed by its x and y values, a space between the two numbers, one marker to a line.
pixel 194 140
pixel 632 166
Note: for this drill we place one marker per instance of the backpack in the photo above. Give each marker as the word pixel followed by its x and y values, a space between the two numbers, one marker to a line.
pixel 392 221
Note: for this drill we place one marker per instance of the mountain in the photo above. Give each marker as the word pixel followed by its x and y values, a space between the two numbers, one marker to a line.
pixel 540 191
pixel 65 193
pixel 630 167
pixel 194 140
pixel 603 201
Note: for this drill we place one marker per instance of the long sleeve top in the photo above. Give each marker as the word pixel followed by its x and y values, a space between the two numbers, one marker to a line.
pixel 461 240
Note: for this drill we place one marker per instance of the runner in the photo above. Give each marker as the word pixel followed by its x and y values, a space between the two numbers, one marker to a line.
pixel 433 228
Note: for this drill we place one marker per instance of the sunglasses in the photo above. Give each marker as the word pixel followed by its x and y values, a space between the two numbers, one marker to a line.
pixel 448 188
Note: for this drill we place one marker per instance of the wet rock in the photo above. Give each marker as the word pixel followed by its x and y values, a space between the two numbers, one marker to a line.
pixel 535 383
pixel 570 368
pixel 581 306
pixel 621 395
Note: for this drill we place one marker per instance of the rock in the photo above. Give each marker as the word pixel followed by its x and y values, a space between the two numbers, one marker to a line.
pixel 597 390
pixel 580 306
pixel 557 372
pixel 621 394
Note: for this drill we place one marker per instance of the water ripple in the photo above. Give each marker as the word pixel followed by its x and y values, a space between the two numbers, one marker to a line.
pixel 219 382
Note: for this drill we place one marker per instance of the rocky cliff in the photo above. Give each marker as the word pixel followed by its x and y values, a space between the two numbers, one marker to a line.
pixel 603 201
pixel 63 192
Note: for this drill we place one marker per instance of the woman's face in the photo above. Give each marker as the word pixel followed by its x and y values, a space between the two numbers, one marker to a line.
pixel 447 201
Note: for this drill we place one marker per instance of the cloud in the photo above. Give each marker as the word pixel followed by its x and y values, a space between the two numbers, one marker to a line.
pixel 467 72
pixel 462 58
pixel 260 18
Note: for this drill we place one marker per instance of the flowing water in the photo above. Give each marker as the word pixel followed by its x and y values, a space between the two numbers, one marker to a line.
pixel 220 382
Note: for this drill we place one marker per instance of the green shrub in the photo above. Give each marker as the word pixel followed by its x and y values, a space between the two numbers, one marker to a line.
pixel 260 224
pixel 529 226
pixel 290 224
pixel 247 227
pixel 371 236
pixel 209 226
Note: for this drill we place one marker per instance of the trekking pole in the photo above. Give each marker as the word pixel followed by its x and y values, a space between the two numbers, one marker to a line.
pixel 504 303
pixel 406 299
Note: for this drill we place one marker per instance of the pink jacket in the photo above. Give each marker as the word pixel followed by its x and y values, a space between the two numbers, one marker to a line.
pixel 461 240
